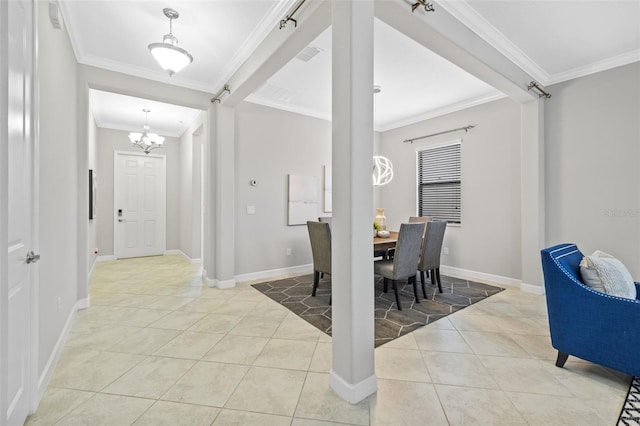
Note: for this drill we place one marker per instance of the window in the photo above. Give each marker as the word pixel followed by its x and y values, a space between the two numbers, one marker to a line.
pixel 439 182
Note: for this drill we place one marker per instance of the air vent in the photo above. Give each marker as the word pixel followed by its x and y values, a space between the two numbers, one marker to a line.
pixel 308 53
pixel 275 93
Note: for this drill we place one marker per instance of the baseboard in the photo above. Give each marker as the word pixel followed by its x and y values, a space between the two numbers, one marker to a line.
pixel 105 258
pixel 479 276
pixel 43 380
pixel 530 288
pixel 353 393
pixel 276 273
pixel 178 251
pixel 83 303
pixel 212 282
pixel 93 267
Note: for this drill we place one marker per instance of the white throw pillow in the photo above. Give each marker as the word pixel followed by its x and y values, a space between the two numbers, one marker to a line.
pixel 603 272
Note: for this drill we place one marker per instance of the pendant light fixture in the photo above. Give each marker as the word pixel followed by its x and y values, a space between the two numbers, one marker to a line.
pixel 146 141
pixel 170 57
pixel 382 167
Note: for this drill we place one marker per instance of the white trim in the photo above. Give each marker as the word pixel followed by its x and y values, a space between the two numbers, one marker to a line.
pixel 105 258
pixel 44 378
pixel 275 273
pixel 270 103
pixel 530 288
pixel 438 112
pixel 178 251
pixel 479 276
pixel 466 14
pixel 222 284
pixel 603 65
pixel 83 303
pixel 353 393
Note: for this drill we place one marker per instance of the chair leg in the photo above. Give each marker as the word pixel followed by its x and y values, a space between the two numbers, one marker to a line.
pixel 424 291
pixel 415 288
pixel 562 358
pixel 316 278
pixel 437 273
pixel 386 285
pixel 395 288
pixel 433 277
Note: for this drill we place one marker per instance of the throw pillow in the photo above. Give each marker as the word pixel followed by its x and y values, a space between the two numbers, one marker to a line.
pixel 603 272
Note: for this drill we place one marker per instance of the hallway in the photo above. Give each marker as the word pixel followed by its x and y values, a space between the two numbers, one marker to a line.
pixel 159 347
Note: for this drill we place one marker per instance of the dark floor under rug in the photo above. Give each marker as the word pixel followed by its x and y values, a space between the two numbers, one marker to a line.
pixel 390 323
pixel 630 414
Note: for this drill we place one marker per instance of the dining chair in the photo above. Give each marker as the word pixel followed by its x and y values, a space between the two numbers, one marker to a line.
pixel 320 237
pixel 404 264
pixel 430 256
pixel 412 219
pixel 325 219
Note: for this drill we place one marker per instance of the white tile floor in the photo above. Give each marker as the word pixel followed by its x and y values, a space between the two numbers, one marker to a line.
pixel 158 347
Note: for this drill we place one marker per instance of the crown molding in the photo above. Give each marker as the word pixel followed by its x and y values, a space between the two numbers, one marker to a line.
pixel 288 107
pixel 427 115
pixel 462 11
pixel 266 25
pixel 603 65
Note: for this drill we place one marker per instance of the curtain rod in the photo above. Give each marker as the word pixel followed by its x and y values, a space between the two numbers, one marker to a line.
pixel 465 128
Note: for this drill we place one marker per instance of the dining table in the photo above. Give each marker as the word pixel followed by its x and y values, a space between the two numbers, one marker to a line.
pixel 385 243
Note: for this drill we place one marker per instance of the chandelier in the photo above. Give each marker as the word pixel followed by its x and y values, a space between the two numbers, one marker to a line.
pixel 146 141
pixel 382 167
pixel 170 57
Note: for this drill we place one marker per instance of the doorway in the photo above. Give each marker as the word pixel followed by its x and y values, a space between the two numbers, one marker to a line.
pixel 139 204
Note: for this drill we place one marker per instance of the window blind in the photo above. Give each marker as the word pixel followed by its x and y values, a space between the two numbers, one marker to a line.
pixel 439 195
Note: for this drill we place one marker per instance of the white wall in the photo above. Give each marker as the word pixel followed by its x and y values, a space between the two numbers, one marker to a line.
pixel 191 188
pixel 108 141
pixel 488 240
pixel 593 164
pixel 93 163
pixel 270 144
pixel 58 181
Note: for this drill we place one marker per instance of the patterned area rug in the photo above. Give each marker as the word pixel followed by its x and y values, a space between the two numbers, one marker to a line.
pixel 630 414
pixel 390 323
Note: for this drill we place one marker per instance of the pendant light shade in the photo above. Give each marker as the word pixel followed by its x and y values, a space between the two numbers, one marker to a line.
pixel 170 57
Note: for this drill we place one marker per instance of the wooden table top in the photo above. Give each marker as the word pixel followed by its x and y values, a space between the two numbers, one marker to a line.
pixel 383 243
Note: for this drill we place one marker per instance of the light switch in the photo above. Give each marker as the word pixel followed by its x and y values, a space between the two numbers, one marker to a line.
pixel 251 209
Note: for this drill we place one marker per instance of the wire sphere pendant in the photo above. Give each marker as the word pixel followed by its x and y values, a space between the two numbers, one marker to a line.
pixel 382 170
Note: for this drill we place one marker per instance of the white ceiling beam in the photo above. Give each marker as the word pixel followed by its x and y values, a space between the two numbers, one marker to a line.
pixel 443 34
pixel 277 49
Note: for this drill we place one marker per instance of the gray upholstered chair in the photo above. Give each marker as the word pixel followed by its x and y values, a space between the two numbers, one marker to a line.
pixel 325 219
pixel 418 219
pixel 320 237
pixel 430 256
pixel 404 264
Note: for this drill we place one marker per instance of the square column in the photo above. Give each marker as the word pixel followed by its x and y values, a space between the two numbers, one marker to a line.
pixel 353 371
pixel 219 220
pixel 533 195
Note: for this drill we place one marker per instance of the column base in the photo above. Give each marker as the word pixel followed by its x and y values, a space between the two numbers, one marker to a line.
pixel 353 393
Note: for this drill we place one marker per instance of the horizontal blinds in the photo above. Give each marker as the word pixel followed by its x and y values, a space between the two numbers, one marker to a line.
pixel 439 194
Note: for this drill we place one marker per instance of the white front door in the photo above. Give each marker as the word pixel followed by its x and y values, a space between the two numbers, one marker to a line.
pixel 16 295
pixel 139 203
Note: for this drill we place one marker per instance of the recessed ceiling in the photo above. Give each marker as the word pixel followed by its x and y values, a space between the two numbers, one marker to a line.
pixel 120 112
pixel 551 40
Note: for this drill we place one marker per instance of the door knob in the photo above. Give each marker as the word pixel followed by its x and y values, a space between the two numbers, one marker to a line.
pixel 32 258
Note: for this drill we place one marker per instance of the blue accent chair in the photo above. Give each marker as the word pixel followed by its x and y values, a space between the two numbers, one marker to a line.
pixel 585 323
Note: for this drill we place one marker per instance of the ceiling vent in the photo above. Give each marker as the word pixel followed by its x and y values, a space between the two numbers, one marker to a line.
pixel 308 53
pixel 275 93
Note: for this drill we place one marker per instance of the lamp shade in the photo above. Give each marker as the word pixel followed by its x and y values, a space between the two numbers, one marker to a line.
pixel 171 58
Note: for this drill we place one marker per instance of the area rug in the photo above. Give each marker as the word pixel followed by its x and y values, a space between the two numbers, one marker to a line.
pixel 630 414
pixel 390 323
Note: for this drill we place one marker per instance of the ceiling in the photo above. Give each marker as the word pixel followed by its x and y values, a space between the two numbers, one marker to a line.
pixel 553 41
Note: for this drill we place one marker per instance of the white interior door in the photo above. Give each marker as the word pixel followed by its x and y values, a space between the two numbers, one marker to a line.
pixel 139 205
pixel 17 353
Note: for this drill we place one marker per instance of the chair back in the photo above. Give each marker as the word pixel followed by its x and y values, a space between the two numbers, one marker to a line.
pixel 325 219
pixel 405 258
pixel 432 245
pixel 420 219
pixel 320 237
